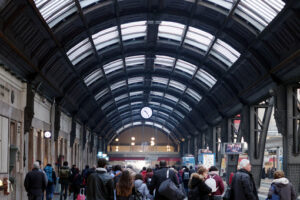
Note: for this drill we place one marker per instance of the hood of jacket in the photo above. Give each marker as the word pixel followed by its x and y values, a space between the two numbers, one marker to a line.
pixel 138 183
pixel 279 181
pixel 195 180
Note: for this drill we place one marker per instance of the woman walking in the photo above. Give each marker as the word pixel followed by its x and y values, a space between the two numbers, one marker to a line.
pixel 198 190
pixel 124 186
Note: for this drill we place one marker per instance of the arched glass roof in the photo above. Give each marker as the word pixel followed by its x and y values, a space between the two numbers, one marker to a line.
pixel 173 82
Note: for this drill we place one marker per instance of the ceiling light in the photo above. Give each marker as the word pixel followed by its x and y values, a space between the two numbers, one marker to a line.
pixel 152 143
pixel 132 143
pixel 152 138
pixel 117 149
pixel 132 138
pixel 117 139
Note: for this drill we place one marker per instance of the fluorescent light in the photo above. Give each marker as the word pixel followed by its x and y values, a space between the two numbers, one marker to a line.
pixel 132 138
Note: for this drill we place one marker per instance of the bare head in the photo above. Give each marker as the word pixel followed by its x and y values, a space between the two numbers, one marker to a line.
pixel 245 164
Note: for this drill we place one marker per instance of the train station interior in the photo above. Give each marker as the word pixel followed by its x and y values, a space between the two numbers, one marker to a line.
pixel 140 81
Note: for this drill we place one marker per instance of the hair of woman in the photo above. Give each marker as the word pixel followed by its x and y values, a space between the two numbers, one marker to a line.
pixel 125 184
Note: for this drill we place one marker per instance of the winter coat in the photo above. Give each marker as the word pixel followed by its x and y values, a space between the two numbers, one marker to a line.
pixel 219 182
pixel 48 169
pixel 158 177
pixel 283 188
pixel 35 182
pixel 142 188
pixel 65 180
pixel 100 185
pixel 198 190
pixel 243 186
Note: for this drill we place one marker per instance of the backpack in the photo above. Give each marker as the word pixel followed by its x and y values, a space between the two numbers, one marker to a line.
pixel 211 182
pixel 275 195
pixel 48 170
pixel 186 176
pixel 64 173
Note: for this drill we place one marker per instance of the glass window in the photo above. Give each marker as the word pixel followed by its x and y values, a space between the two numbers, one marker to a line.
pixel 101 94
pixel 185 105
pixel 177 85
pixel 55 11
pixel 164 61
pixel 135 60
pixel 158 125
pixel 123 96
pixel 136 93
pixel 166 130
pixel 225 52
pixel 122 107
pixel 259 13
pixel 170 30
pixel 80 51
pixel 198 38
pixel 185 67
pixel 133 30
pixel 119 130
pixel 136 103
pixel 227 4
pixel 166 107
pixel 117 85
pixel 154 103
pixel 106 37
pixel 206 78
pixel 179 113
pixel 113 66
pixel 193 94
pixel 135 80
pixel 160 80
pixel 127 125
pixel 92 77
pixel 107 104
pixel 163 113
pixel 86 3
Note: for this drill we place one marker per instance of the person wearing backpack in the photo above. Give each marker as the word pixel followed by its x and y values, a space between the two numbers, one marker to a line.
pixel 141 188
pixel 281 188
pixel 198 190
pixel 219 185
pixel 51 176
pixel 185 179
pixel 64 179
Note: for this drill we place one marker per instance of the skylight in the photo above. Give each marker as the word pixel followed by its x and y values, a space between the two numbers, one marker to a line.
pixel 101 94
pixel 117 85
pixel 164 61
pixel 92 77
pixel 160 80
pixel 193 94
pixel 135 93
pixel 106 37
pixel 177 85
pixel 198 38
pixel 55 11
pixel 135 60
pixel 106 105
pixel 135 80
pixel 133 30
pixel 155 93
pixel 123 96
pixel 186 67
pixel 113 66
pixel 80 51
pixel 206 78
pixel 170 30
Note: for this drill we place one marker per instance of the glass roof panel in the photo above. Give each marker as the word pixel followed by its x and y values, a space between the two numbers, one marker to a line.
pixel 170 30
pixel 86 3
pixel 80 51
pixel 154 103
pixel 164 60
pixel 206 78
pixel 185 105
pixel 136 93
pixel 101 94
pixel 122 107
pixel 172 98
pixel 106 37
pixel 92 77
pixel 136 123
pixel 162 113
pixel 160 80
pixel 138 79
pixel 227 4
pixel 155 93
pixel 259 13
pixel 166 130
pixel 123 96
pixel 117 85
pixel 193 94
pixel 198 38
pixel 113 66
pixel 186 67
pixel 167 107
pixel 106 105
pixel 179 113
pixel 55 11
pixel 177 85
pixel 135 60
pixel 133 30
pixel 136 103
pixel 225 52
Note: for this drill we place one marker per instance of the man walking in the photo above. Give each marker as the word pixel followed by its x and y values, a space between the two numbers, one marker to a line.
pixel 100 184
pixel 243 186
pixel 35 183
pixel 64 179
pixel 159 176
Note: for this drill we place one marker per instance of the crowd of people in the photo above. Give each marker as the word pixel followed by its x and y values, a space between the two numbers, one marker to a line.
pixel 160 183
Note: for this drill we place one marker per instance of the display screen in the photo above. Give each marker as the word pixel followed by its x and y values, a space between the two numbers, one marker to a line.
pixel 233 148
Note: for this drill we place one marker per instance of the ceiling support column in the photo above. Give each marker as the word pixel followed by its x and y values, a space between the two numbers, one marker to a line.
pixel 57 121
pixel 73 131
pixel 83 136
pixel 258 134
pixel 217 147
pixel 195 151
pixel 287 116
pixel 29 108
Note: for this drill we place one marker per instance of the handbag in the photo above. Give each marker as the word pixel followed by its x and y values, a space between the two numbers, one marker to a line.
pixel 227 193
pixel 81 195
pixel 169 190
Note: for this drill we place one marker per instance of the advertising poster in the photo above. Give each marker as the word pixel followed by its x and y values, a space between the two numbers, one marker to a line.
pixel 206 159
pixel 188 161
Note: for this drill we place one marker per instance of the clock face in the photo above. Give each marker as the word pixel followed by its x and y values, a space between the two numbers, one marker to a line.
pixel 146 112
pixel 47 134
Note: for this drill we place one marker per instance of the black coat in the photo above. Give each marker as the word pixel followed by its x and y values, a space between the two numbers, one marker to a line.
pixel 243 186
pixel 158 177
pixel 35 182
pixel 198 190
pixel 100 186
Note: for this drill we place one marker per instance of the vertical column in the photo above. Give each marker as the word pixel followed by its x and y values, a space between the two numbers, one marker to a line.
pixel 57 121
pixel 209 138
pixel 73 132
pixel 195 152
pixel 287 120
pixel 83 137
pixel 189 145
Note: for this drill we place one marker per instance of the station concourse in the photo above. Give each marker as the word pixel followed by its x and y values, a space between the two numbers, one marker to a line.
pixel 139 81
